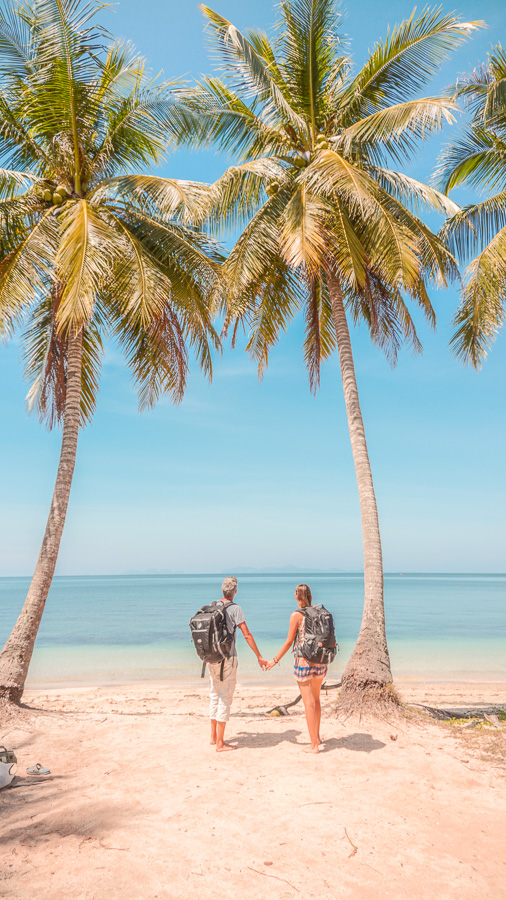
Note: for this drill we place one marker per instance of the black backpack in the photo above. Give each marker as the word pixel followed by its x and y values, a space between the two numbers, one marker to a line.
pixel 211 637
pixel 319 644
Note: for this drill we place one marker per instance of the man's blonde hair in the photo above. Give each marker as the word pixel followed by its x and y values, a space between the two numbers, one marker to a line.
pixel 229 586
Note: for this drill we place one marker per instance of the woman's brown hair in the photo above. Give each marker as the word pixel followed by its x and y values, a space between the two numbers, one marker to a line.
pixel 303 592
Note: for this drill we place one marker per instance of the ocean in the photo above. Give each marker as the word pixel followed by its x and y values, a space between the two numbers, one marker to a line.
pixel 124 629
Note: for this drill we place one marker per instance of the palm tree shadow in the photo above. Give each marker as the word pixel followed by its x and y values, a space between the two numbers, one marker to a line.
pixel 363 743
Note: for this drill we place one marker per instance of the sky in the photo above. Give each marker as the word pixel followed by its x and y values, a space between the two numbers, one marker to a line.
pixel 259 474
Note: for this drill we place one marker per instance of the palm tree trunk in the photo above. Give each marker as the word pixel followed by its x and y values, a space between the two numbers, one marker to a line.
pixel 17 653
pixel 368 668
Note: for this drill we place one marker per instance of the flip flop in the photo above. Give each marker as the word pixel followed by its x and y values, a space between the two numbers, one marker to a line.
pixel 38 770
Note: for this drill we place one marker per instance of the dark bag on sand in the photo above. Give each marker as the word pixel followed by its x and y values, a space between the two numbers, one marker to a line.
pixel 319 644
pixel 212 639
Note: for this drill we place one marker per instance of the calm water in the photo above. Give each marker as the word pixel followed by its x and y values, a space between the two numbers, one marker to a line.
pixel 135 628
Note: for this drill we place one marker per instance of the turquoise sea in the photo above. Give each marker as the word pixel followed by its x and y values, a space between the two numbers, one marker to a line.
pixel 121 629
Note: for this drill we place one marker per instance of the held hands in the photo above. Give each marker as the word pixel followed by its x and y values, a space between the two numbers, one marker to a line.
pixel 266 664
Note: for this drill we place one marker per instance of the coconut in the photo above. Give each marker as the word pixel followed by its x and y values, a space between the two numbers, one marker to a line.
pixel 61 190
pixel 322 145
pixel 299 162
pixel 57 199
pixel 48 196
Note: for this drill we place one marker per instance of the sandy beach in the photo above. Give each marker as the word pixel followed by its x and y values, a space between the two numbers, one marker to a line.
pixel 139 805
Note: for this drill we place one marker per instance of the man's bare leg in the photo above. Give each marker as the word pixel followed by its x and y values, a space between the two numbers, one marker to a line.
pixel 213 731
pixel 221 746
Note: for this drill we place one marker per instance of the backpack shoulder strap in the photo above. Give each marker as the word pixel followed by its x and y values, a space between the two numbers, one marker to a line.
pixel 296 638
pixel 225 607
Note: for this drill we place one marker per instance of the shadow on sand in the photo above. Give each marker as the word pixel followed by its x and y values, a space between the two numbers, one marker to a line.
pixel 34 810
pixel 364 743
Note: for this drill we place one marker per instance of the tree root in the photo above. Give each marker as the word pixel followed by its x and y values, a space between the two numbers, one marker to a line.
pixel 13 712
pixel 477 712
pixel 368 699
pixel 283 709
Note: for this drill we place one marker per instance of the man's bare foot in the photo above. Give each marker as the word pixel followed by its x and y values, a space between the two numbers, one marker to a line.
pixel 225 746
pixel 311 749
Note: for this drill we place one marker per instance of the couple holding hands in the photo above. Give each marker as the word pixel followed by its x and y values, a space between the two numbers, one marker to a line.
pixel 223 676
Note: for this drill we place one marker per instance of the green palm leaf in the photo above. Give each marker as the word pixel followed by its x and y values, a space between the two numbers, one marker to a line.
pixel 248 69
pixel 481 312
pixel 406 60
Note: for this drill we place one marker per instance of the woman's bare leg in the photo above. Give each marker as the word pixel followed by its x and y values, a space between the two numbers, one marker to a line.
pixel 310 710
pixel 316 686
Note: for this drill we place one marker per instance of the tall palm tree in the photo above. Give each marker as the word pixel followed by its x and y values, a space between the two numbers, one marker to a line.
pixel 478 159
pixel 328 227
pixel 88 249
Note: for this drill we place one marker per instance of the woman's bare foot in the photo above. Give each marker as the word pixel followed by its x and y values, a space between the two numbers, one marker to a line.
pixel 212 741
pixel 311 749
pixel 221 748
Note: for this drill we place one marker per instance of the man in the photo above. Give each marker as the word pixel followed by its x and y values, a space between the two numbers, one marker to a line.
pixel 222 692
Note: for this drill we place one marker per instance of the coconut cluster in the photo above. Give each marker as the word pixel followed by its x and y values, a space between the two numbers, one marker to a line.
pixel 272 188
pixel 55 196
pixel 321 142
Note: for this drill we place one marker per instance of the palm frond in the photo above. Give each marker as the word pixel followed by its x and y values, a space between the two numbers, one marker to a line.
pixel 13 182
pixel 236 196
pixel 86 254
pixel 415 194
pixel 303 238
pixel 481 312
pixel 476 159
pixel 320 336
pixel 249 71
pixel 269 310
pixel 167 197
pixel 45 356
pixel 397 129
pixel 219 116
pixel 16 52
pixel 138 129
pixel 405 61
pixel 473 227
pixel 155 352
pixel 26 272
pixel 310 44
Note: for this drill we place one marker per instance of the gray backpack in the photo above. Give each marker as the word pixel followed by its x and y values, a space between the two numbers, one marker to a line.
pixel 319 645
pixel 211 637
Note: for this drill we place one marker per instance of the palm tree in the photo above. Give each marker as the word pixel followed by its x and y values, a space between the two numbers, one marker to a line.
pixel 328 227
pixel 89 249
pixel 478 159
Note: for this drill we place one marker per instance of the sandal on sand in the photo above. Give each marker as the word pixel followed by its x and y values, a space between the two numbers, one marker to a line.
pixel 38 770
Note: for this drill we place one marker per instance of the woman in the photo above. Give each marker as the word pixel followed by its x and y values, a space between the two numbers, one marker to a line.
pixel 309 676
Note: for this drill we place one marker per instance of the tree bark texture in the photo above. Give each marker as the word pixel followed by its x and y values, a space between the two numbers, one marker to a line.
pixel 17 653
pixel 369 664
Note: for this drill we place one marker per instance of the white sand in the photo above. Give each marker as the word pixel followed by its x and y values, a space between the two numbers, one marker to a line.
pixel 139 805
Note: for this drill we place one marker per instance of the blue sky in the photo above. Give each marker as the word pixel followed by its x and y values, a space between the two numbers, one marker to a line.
pixel 260 474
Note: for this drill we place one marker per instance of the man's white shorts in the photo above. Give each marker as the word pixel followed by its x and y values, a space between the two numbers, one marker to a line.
pixel 222 692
